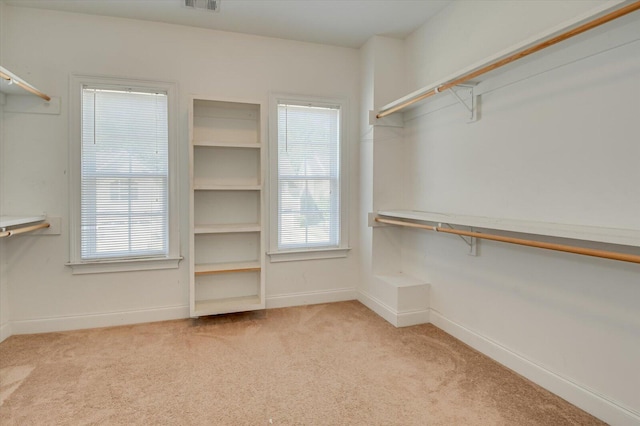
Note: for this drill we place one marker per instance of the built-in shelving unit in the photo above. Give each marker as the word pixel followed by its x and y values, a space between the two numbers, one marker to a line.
pixel 227 239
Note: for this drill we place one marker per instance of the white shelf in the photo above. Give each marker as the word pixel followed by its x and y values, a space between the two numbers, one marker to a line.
pixel 203 185
pixel 215 144
pixel 11 84
pixel 227 228
pixel 597 11
pixel 222 268
pixel 223 306
pixel 629 237
pixel 7 221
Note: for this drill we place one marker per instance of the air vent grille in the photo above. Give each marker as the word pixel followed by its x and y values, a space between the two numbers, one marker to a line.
pixel 210 5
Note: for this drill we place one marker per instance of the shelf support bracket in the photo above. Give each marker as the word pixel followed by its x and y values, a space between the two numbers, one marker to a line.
pixel 472 242
pixel 472 109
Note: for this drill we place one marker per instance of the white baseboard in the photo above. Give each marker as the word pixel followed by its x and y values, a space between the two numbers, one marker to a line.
pixel 107 319
pixel 5 331
pixel 310 298
pixel 398 319
pixel 605 409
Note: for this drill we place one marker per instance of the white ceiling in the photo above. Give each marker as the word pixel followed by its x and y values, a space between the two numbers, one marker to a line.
pixel 348 23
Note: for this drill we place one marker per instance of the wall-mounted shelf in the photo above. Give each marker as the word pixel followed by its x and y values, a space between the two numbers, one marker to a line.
pixel 408 218
pixel 13 225
pixel 8 221
pixel 482 70
pixel 16 95
pixel 11 84
pixel 629 237
pixel 227 144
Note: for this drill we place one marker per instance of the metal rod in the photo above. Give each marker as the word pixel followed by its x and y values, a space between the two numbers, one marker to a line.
pixel 24 229
pixel 530 243
pixel 514 57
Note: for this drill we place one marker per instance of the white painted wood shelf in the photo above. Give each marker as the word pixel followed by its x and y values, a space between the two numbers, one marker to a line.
pixel 220 268
pixel 10 221
pixel 530 65
pixel 227 228
pixel 11 84
pixel 202 185
pixel 227 241
pixel 629 237
pixel 216 144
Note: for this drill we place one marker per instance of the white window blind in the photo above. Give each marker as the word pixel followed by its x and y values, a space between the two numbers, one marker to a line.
pixel 124 174
pixel 308 176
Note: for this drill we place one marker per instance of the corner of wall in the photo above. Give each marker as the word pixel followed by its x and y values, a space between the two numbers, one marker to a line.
pixel 5 327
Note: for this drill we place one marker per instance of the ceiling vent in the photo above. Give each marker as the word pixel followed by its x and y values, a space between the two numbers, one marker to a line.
pixel 210 5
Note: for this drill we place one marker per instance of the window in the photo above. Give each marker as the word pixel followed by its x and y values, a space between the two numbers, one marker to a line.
pixel 307 178
pixel 123 177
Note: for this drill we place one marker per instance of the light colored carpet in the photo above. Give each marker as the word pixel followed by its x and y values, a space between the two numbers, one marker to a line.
pixel 332 364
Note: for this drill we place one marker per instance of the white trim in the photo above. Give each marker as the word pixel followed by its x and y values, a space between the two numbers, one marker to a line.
pixel 105 319
pixel 606 409
pixel 409 318
pixel 310 254
pixel 311 298
pixel 76 81
pixel 272 178
pixel 124 265
pixel 5 331
pixel 397 319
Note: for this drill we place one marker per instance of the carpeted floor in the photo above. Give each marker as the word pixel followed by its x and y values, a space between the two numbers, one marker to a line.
pixel 332 364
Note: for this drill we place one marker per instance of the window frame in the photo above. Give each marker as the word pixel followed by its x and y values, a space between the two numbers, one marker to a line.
pixel 311 252
pixel 78 265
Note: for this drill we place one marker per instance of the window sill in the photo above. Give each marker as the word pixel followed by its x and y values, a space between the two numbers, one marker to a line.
pixel 106 266
pixel 310 254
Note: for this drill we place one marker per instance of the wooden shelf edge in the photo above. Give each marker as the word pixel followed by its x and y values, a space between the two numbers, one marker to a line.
pixel 223 268
pixel 214 144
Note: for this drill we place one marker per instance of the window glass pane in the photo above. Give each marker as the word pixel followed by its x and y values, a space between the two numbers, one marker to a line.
pixel 308 176
pixel 124 174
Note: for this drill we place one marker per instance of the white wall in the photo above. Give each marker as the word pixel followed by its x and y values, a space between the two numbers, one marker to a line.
pixel 4 284
pixel 558 147
pixel 45 48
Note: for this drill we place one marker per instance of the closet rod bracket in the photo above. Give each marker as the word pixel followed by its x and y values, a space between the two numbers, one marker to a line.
pixel 472 242
pixel 473 107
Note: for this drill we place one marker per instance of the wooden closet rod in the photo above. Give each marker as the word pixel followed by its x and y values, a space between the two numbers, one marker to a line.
pixel 518 55
pixel 25 229
pixel 25 86
pixel 530 243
